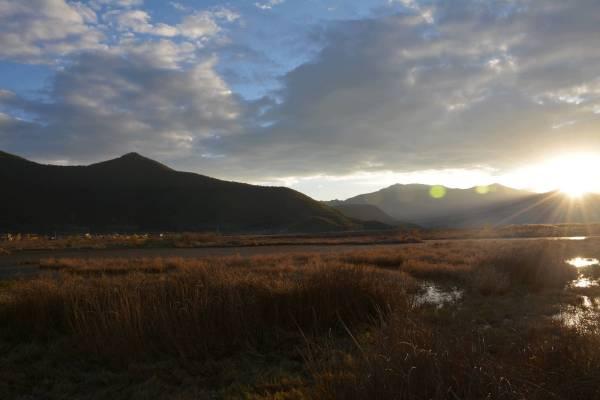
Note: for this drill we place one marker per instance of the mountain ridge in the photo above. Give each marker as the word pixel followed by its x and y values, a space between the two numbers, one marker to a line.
pixel 133 192
pixel 495 204
pixel 417 204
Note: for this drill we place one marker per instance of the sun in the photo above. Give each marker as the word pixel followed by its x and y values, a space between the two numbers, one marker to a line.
pixel 571 173
pixel 574 189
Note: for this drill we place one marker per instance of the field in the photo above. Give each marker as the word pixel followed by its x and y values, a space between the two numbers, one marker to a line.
pixel 466 319
pixel 16 243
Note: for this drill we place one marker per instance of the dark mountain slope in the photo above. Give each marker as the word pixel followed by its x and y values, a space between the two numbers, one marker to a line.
pixel 136 193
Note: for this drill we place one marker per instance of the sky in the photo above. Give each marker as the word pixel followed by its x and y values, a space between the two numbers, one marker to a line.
pixel 330 97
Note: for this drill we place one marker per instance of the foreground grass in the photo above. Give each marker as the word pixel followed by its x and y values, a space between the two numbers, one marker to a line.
pixel 446 356
pixel 200 311
pixel 304 326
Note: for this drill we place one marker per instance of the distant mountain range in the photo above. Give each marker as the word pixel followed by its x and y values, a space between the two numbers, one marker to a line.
pixel 492 205
pixel 135 193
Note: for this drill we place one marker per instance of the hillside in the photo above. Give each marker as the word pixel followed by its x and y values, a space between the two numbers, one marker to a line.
pixel 498 205
pixel 135 193
pixel 545 208
pixel 414 202
pixel 368 212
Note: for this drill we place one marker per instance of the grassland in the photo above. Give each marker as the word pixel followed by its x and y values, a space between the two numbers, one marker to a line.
pixel 350 325
pixel 33 242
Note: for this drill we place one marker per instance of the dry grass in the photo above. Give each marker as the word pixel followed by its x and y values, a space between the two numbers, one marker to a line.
pixel 410 359
pixel 351 316
pixel 110 266
pixel 507 351
pixel 490 281
pixel 514 231
pixel 537 266
pixel 28 242
pixel 200 310
pixel 385 258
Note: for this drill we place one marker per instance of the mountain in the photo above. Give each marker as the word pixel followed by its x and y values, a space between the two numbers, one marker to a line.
pixel 494 205
pixel 416 203
pixel 135 193
pixel 545 208
pixel 365 212
pixel 368 212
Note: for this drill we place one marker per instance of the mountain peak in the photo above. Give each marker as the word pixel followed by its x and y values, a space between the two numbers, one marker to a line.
pixel 133 155
pixel 132 161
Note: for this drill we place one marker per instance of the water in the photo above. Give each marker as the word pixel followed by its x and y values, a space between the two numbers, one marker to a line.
pixel 582 316
pixel 586 314
pixel 437 295
pixel 581 262
pixel 583 281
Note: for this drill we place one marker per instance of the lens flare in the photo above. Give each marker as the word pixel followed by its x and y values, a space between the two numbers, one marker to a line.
pixel 437 192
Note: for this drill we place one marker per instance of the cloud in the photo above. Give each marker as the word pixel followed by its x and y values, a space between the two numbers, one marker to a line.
pixel 161 53
pixel 44 31
pixel 178 6
pixel 36 30
pixel 104 105
pixel 226 14
pixel 267 5
pixel 485 85
pixel 198 25
pixel 117 3
pixel 450 85
pixel 138 21
pixel 425 12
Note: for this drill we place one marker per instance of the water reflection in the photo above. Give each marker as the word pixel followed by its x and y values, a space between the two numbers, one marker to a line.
pixel 584 316
pixel 583 282
pixel 585 266
pixel 581 262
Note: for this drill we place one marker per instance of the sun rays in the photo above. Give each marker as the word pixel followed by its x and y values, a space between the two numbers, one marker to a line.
pixel 573 174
